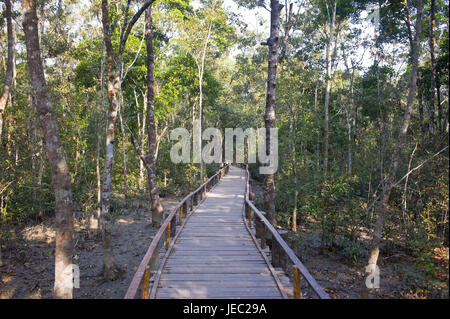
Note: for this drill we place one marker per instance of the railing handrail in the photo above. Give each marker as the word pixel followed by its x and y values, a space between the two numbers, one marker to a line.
pixel 289 252
pixel 137 278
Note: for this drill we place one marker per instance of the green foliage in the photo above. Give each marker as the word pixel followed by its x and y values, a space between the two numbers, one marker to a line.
pixel 370 95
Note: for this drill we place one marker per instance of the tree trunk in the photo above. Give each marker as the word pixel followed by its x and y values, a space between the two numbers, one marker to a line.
pixel 157 208
pixel 269 117
pixel 438 95
pixel 386 192
pixel 318 133
pixel 423 128
pixel 292 128
pixel 110 269
pixel 200 118
pixel 327 95
pixel 124 154
pixel 284 45
pixel 9 64
pixel 59 170
pixel 141 128
pixel 350 115
pixel 349 141
pixel 99 138
pixel 353 123
pixel 433 68
pixel 201 70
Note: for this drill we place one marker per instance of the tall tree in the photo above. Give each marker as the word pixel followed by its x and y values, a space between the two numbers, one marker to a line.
pixel 59 170
pixel 389 179
pixel 110 269
pixel 432 42
pixel 157 209
pixel 197 35
pixel 269 116
pixel 9 64
pixel 328 56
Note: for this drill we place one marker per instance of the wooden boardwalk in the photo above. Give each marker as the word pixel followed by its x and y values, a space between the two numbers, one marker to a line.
pixel 215 255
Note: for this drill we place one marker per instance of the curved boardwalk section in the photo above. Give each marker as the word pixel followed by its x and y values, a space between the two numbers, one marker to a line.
pixel 214 256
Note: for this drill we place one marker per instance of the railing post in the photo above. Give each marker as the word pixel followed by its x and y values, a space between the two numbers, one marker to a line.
pixel 191 201
pixel 145 287
pixel 260 230
pixel 184 208
pixel 173 227
pixel 246 209
pixel 283 257
pixel 154 260
pixel 180 220
pixel 194 200
pixel 250 216
pixel 168 236
pixel 277 258
pixel 297 280
pixel 251 195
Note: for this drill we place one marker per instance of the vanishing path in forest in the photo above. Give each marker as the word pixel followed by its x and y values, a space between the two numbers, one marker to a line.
pixel 215 247
pixel 214 256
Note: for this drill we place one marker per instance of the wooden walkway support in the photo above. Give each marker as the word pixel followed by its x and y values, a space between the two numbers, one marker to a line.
pixel 214 253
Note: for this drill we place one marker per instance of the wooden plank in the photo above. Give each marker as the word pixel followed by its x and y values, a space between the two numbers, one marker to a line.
pixel 239 265
pixel 218 253
pixel 215 240
pixel 194 259
pixel 212 292
pixel 213 243
pixel 214 263
pixel 238 245
pixel 213 219
pixel 219 227
pixel 217 235
pixel 224 277
pixel 215 270
pixel 229 297
pixel 216 283
pixel 206 243
pixel 201 224
pixel 211 248
pixel 222 254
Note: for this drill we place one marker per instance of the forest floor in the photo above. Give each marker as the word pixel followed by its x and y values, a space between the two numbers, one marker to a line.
pixel 28 270
pixel 342 278
pixel 28 257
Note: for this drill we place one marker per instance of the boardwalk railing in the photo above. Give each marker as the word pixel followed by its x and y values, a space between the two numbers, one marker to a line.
pixel 167 231
pixel 282 254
